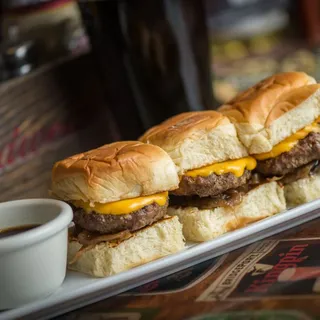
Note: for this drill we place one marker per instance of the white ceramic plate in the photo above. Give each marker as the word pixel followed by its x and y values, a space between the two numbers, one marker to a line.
pixel 79 290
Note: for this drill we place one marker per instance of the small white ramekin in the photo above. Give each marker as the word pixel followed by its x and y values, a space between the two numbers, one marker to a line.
pixel 33 263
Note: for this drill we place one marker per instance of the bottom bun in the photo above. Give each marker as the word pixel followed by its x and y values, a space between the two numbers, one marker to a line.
pixel 302 190
pixel 203 225
pixel 151 243
pixel 261 202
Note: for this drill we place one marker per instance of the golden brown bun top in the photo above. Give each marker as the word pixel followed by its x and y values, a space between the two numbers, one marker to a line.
pixel 197 139
pixel 290 100
pixel 183 125
pixel 116 171
pixel 255 104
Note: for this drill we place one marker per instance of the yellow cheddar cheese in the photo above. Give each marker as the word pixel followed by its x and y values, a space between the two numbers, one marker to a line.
pixel 287 144
pixel 236 167
pixel 123 206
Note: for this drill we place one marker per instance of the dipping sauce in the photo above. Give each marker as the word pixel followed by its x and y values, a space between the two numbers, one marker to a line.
pixel 7 232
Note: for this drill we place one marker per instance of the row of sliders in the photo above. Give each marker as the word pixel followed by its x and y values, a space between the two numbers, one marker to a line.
pixel 196 176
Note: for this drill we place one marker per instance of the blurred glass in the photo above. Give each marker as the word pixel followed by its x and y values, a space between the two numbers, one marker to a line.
pixel 253 39
pixel 163 46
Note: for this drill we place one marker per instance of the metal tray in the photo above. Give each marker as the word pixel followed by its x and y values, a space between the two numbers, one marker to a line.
pixel 79 290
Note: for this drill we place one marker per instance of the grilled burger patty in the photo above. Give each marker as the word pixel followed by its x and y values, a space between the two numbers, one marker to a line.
pixel 109 223
pixel 227 199
pixel 305 171
pixel 211 185
pixel 230 198
pixel 306 150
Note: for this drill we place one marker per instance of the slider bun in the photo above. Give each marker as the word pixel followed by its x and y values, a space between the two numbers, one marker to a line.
pixel 259 203
pixel 274 109
pixel 302 191
pixel 151 243
pixel 196 139
pixel 202 225
pixel 113 172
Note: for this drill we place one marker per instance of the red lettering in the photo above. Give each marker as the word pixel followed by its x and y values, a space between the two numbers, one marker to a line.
pixel 299 247
pixel 53 132
pixel 288 261
pixel 280 266
pixel 21 145
pixel 22 149
pixel 11 155
pixel 292 259
pixel 34 145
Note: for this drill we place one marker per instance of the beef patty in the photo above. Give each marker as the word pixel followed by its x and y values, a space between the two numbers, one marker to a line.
pixel 229 198
pixel 211 185
pixel 109 223
pixel 302 172
pixel 305 151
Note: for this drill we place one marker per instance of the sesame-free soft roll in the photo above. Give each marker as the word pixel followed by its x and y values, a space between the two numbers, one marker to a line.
pixel 278 121
pixel 215 172
pixel 119 195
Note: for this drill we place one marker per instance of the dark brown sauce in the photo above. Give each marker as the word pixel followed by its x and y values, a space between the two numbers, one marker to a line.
pixel 7 232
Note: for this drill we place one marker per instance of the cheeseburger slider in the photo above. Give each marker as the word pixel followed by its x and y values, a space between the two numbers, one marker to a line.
pixel 119 195
pixel 215 194
pixel 277 120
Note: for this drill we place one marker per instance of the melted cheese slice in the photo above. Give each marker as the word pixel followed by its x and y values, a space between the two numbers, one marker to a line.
pixel 287 144
pixel 236 167
pixel 123 206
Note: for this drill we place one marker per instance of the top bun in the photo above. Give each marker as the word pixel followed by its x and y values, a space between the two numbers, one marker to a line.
pixel 273 109
pixel 197 139
pixel 113 172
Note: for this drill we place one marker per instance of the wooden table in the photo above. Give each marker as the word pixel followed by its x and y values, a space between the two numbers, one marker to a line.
pixel 277 278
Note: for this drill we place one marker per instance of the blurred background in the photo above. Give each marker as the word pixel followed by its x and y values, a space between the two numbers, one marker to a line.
pixel 76 75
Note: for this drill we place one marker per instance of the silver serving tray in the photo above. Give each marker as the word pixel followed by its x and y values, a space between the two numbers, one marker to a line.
pixel 79 290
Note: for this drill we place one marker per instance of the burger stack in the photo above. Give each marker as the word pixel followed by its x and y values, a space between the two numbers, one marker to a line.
pixel 278 122
pixel 217 192
pixel 119 195
pixel 195 176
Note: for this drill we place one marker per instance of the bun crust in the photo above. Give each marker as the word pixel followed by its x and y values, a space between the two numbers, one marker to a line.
pixel 254 104
pixel 113 172
pixel 183 125
pixel 259 203
pixel 274 109
pixel 292 100
pixel 196 139
pixel 161 239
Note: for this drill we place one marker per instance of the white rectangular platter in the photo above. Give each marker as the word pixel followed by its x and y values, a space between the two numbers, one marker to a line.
pixel 79 290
